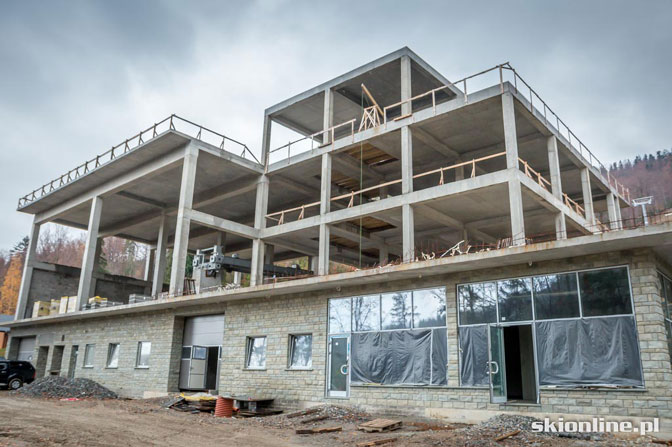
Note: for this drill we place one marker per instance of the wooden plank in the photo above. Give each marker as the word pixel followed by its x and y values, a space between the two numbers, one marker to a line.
pixel 303 412
pixel 507 435
pixel 315 419
pixel 376 442
pixel 315 431
pixel 380 425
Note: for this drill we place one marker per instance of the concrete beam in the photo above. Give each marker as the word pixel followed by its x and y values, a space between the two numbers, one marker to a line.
pixel 86 282
pixel 434 143
pixel 140 199
pixel 220 224
pixel 368 239
pixel 450 222
pixel 27 277
pixel 183 222
pixel 353 168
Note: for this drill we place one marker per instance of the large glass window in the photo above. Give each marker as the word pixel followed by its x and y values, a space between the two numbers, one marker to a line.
pixel 396 310
pixel 301 351
pixel 256 353
pixel 339 315
pixel 429 308
pixel 605 292
pixel 478 303
pixel 113 355
pixel 515 299
pixel 142 359
pixel 366 313
pixel 556 296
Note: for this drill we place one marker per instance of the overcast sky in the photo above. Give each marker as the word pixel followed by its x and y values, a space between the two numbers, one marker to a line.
pixel 78 77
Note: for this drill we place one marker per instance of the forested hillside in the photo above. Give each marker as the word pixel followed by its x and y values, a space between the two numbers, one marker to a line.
pixel 648 175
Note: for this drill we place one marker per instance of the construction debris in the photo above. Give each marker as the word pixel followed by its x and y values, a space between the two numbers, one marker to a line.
pixel 380 425
pixel 315 431
pixel 376 442
pixel 507 435
pixel 62 387
pixel 304 412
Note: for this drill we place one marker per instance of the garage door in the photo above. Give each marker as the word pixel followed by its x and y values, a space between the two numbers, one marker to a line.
pixel 26 349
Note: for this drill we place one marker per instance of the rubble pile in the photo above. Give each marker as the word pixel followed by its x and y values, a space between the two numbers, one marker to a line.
pixel 64 388
pixel 315 415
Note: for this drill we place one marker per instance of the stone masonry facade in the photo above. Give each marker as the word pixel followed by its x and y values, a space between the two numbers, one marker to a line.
pixel 279 317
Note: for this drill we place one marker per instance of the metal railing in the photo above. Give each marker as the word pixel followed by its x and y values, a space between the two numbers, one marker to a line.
pixel 173 122
pixel 537 106
pixel 327 136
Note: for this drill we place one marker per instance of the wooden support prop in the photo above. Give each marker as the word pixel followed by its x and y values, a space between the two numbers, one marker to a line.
pixel 303 413
pixel 371 98
pixel 507 435
pixel 315 419
pixel 316 431
pixel 376 442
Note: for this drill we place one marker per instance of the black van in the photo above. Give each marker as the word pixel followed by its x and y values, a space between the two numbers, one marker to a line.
pixel 13 374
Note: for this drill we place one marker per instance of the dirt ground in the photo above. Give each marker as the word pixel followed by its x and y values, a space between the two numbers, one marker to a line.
pixel 45 422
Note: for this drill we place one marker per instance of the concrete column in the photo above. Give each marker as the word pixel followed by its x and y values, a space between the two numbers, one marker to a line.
pixel 554 166
pixel 266 140
pixel 328 116
pixel 408 233
pixel 406 91
pixel 510 137
pixel 619 217
pixel 221 241
pixel 325 181
pixel 459 173
pixel 91 249
pixel 181 244
pixel 516 210
pixel 406 160
pixel 587 196
pixel 27 277
pixel 383 255
pixel 261 208
pixel 313 264
pixel 160 257
pixel 149 263
pixel 611 211
pixel 269 254
pixel 560 226
pixel 323 251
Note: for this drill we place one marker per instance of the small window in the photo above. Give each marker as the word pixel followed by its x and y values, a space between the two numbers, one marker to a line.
pixel 144 349
pixel 429 308
pixel 301 351
pixel 556 296
pixel 478 303
pixel 113 355
pixel 339 315
pixel 186 352
pixel 366 313
pixel 89 353
pixel 515 299
pixel 256 353
pixel 396 310
pixel 605 292
pixel 199 353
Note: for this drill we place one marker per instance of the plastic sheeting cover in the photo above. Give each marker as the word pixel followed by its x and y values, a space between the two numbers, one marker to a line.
pixel 439 357
pixel 591 351
pixel 474 356
pixel 398 357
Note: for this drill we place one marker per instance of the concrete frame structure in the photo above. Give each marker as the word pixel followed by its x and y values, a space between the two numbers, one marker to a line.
pixel 484 173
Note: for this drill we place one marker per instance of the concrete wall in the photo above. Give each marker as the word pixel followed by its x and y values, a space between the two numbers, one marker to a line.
pixel 277 318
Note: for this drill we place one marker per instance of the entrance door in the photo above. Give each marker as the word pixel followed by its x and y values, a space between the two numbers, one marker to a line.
pixel 497 364
pixel 339 366
pixel 198 367
pixel 73 361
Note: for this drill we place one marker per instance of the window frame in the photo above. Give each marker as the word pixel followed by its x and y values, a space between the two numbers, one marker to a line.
pixel 290 351
pixel 667 309
pixel 249 345
pixel 139 353
pixel 109 354
pixel 88 346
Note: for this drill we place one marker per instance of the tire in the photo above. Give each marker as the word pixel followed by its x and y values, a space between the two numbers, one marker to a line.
pixel 15 383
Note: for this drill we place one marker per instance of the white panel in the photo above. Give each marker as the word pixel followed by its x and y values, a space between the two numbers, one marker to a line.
pixel 26 349
pixel 204 331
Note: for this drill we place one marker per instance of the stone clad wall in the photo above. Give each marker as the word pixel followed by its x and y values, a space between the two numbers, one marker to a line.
pixel 278 317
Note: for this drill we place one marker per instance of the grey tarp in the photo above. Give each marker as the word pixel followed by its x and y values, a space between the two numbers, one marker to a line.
pixel 439 357
pixel 392 358
pixel 593 351
pixel 474 356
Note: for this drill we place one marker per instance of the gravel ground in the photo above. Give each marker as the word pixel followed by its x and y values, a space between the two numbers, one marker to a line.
pixel 64 388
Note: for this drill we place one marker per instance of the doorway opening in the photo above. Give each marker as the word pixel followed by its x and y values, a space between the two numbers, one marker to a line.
pixel 513 377
pixel 338 370
pixel 56 361
pixel 72 365
pixel 41 361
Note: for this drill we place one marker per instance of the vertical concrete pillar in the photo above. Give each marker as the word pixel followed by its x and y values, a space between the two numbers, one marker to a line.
pixel 181 244
pixel 406 160
pixel 556 184
pixel 261 208
pixel 587 197
pixel 160 257
pixel 406 91
pixel 269 254
pixel 91 250
pixel 611 211
pixel 323 251
pixel 149 263
pixel 328 116
pixel 266 140
pixel 383 255
pixel 408 233
pixel 27 277
pixel 516 210
pixel 313 264
pixel 619 217
pixel 510 136
pixel 325 184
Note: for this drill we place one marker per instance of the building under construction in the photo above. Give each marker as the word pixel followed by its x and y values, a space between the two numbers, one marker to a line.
pixel 446 248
